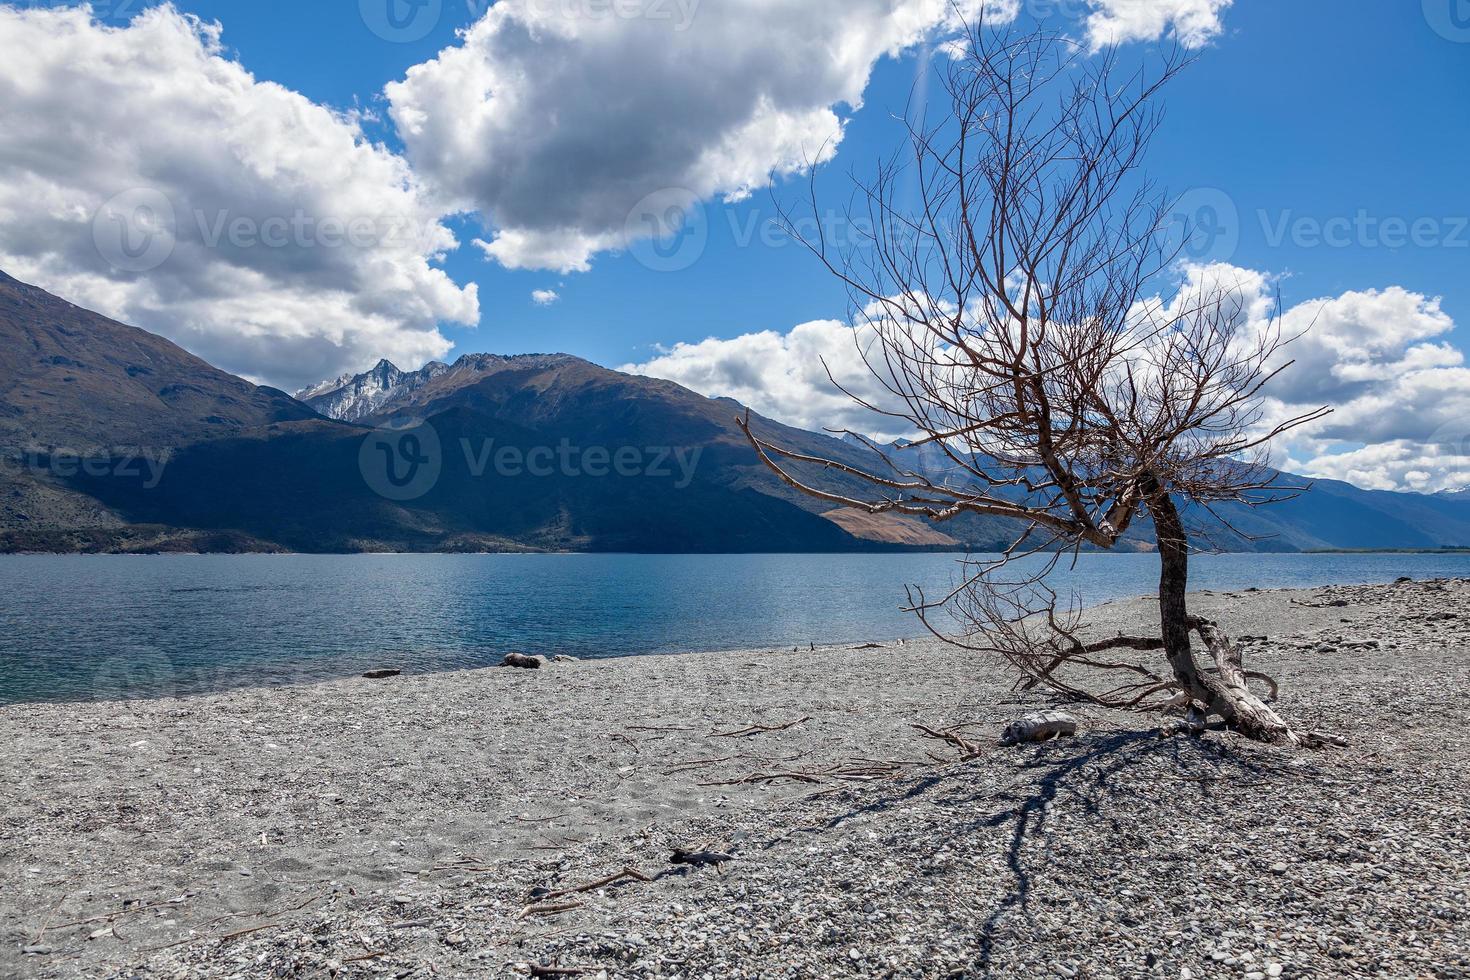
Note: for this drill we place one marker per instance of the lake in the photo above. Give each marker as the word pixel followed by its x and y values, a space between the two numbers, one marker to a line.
pixel 107 627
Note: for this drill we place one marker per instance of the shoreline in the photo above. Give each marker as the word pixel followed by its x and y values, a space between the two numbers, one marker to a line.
pixel 361 826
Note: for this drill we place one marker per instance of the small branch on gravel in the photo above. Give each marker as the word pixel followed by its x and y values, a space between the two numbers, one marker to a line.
pixel 627 873
pixel 47 923
pixel 759 729
pixel 756 778
pixel 548 972
pixel 863 771
pixel 968 749
pixel 626 741
pixel 245 932
pixel 658 728
pixel 553 908
pixel 696 764
pixel 114 915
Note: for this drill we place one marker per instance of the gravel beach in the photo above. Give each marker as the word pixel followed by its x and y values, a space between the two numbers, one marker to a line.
pixel 521 822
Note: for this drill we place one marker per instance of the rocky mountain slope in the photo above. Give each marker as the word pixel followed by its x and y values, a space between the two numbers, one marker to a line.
pixel 72 378
pixel 114 439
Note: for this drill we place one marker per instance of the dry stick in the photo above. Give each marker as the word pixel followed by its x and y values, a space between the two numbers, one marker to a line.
pixel 114 915
pixel 758 729
pixel 633 873
pixel 697 764
pixel 550 909
pixel 657 728
pixel 969 749
pixel 563 971
pixel 245 932
pixel 51 915
pixel 756 778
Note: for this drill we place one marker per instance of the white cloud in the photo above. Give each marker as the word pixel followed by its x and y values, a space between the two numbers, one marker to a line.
pixel 1193 23
pixel 781 375
pixel 557 121
pixel 1400 392
pixel 544 297
pixel 299 249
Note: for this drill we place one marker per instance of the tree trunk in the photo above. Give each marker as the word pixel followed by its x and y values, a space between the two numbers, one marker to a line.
pixel 1222 691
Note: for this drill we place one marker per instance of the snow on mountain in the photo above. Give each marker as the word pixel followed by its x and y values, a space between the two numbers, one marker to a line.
pixel 356 397
pixel 352 398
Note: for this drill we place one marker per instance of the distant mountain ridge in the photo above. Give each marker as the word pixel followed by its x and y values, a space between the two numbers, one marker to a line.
pixel 73 378
pixel 243 467
pixel 384 387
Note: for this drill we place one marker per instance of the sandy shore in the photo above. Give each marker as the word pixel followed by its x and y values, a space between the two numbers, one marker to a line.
pixel 402 827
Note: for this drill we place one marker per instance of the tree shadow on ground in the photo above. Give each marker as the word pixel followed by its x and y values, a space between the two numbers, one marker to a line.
pixel 1096 771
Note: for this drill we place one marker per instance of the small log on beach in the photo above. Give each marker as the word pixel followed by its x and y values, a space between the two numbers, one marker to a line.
pixel 1038 727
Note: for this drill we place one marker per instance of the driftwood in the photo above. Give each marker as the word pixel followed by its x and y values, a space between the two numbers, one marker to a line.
pixel 759 729
pixel 550 908
pixel 1039 727
pixel 968 749
pixel 384 674
pixel 522 661
pixel 546 972
pixel 627 874
pixel 700 859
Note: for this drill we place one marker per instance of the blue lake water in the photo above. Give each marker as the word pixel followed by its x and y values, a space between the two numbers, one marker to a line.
pixel 106 627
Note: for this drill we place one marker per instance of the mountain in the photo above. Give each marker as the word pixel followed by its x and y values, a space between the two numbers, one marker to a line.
pixel 357 397
pixel 112 439
pixel 562 399
pixel 354 397
pixel 1331 515
pixel 72 378
pixel 75 385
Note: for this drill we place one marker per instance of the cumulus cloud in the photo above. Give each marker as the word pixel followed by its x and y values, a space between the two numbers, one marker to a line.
pixel 146 175
pixel 1192 22
pixel 557 121
pixel 544 297
pixel 1399 390
pixel 781 375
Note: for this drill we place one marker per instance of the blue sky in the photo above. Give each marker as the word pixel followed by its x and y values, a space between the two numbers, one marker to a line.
pixel 1305 109
pixel 1323 145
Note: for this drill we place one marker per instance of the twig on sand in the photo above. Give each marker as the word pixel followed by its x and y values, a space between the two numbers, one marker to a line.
pixel 758 778
pixel 968 749
pixel 697 764
pixel 550 908
pixel 51 915
pixel 760 729
pixel 858 771
pixel 612 879
pixel 245 932
pixel 118 914
pixel 548 972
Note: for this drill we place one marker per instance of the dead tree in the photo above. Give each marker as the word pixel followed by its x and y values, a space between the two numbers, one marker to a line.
pixel 1010 301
